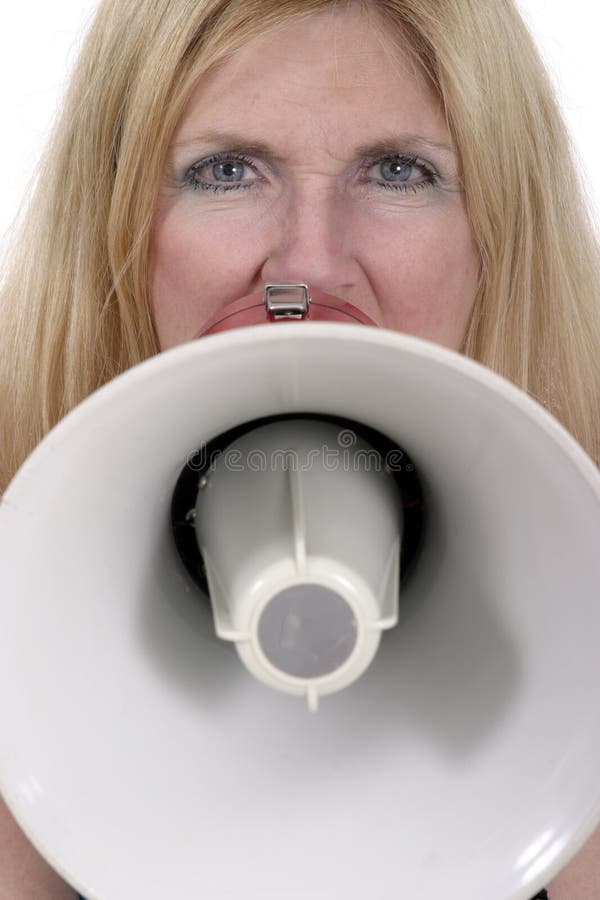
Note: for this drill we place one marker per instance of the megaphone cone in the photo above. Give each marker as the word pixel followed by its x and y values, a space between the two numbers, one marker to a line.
pixel 141 757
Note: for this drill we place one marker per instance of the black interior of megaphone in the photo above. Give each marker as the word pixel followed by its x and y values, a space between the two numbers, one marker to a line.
pixel 411 503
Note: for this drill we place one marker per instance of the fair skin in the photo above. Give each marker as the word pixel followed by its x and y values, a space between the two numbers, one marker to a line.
pixel 388 234
pixel 311 165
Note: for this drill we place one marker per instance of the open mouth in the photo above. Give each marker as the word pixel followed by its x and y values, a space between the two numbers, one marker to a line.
pixel 284 303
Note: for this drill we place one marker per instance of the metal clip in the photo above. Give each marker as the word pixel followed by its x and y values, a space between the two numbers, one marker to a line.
pixel 287 301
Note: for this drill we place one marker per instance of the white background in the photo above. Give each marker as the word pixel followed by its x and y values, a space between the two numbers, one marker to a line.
pixel 38 46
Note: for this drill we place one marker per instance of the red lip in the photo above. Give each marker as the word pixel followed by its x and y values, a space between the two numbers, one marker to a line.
pixel 251 310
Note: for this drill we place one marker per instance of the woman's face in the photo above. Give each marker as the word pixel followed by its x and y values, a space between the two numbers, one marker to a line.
pixel 315 154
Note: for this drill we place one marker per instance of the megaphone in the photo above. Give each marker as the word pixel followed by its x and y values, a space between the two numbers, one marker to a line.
pixel 441 612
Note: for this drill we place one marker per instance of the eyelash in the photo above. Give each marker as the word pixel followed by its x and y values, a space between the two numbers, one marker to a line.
pixel 190 179
pixel 404 187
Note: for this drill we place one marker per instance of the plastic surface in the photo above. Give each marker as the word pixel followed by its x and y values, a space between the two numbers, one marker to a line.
pixel 297 503
pixel 143 760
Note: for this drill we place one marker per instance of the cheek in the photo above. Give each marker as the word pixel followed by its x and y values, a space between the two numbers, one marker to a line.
pixel 425 277
pixel 194 269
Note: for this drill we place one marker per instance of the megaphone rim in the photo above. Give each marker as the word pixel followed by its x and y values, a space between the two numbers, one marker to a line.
pixel 318 331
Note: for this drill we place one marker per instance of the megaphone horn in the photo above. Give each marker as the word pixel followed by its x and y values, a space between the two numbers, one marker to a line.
pixel 460 758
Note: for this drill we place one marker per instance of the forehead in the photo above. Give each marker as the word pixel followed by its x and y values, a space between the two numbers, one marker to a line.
pixel 329 73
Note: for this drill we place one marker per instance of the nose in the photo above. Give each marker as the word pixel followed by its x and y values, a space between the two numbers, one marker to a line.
pixel 312 243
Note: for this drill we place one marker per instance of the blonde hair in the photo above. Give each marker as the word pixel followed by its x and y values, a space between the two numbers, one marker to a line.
pixel 75 305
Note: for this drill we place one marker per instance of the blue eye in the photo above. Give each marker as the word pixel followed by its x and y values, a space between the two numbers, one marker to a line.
pixel 222 173
pixel 395 170
pixel 401 173
pixel 231 171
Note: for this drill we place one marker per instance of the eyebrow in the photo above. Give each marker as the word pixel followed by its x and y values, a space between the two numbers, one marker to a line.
pixel 231 141
pixel 389 145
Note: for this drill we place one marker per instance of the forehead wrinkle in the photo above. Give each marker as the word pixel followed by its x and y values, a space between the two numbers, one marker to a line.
pixel 330 126
pixel 384 144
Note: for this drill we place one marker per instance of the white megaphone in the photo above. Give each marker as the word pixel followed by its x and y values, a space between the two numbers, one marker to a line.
pixel 387 530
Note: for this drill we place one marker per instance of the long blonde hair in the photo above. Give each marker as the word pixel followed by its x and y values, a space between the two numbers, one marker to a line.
pixel 75 309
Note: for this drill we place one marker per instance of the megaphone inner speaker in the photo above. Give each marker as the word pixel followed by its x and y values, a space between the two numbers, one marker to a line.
pixel 403 470
pixel 307 630
pixel 300 558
